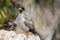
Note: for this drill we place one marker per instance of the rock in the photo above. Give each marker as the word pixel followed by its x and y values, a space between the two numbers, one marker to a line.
pixel 11 35
pixel 20 37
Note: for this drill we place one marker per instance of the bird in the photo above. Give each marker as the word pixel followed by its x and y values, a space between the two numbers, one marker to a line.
pixel 10 26
pixel 30 25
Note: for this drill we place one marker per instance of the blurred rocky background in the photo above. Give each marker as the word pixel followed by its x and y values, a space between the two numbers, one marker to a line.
pixel 9 8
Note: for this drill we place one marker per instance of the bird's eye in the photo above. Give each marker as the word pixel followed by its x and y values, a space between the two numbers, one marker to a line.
pixel 20 11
